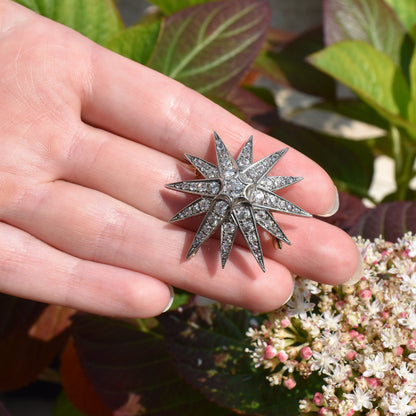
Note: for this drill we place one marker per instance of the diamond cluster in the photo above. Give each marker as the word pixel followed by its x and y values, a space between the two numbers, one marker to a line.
pixel 236 195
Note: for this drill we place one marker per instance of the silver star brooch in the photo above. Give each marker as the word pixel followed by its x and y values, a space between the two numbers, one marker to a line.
pixel 236 194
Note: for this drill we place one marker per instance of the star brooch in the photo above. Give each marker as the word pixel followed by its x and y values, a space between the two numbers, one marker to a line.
pixel 236 194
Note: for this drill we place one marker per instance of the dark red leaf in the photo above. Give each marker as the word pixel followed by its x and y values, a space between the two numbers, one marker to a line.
pixel 27 351
pixel 350 210
pixel 77 386
pixel 3 411
pixel 17 314
pixel 390 220
pixel 129 369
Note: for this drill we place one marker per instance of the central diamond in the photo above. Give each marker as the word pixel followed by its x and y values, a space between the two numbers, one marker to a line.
pixel 234 188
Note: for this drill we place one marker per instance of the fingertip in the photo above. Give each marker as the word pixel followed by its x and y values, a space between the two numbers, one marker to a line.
pixel 333 207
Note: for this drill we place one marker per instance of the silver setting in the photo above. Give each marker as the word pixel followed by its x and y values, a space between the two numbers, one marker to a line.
pixel 237 194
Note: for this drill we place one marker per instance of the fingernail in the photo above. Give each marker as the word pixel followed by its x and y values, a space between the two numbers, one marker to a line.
pixel 172 296
pixel 334 207
pixel 357 275
pixel 291 293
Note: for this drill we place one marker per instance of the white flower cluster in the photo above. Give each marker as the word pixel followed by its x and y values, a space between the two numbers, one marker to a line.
pixel 360 339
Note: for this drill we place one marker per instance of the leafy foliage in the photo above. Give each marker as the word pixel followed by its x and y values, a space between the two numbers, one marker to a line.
pixel 99 20
pixel 208 346
pixel 208 47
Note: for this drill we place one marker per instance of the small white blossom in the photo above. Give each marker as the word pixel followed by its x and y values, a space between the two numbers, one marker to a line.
pixel 299 306
pixel 410 320
pixel 329 321
pixel 400 406
pixel 360 399
pixel 322 361
pixel 391 337
pixel 409 283
pixel 376 366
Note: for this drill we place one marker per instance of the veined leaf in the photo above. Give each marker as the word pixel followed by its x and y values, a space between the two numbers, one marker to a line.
pixel 209 349
pixel 350 210
pixel 288 67
pixel 356 110
pixel 371 21
pixel 209 47
pixel 406 10
pixel 99 20
pixel 372 75
pixel 169 7
pixel 390 220
pixel 137 42
pixel 131 369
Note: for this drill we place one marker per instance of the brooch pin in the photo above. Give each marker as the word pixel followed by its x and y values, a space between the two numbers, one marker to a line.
pixel 236 195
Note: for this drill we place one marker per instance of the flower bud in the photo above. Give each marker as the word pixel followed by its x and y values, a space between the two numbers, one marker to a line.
pixel 318 398
pixel 282 356
pixel 270 352
pixel 306 353
pixel 289 383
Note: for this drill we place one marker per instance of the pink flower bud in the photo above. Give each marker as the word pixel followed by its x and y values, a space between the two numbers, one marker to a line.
pixel 411 344
pixel 350 412
pixel 306 353
pixel 403 315
pixel 366 294
pixel 340 304
pixel 353 333
pixel 282 356
pixel 414 334
pixel 351 354
pixel 270 352
pixel 318 399
pixel 285 323
pixel 372 382
pixel 360 337
pixel 385 314
pixel 289 383
pixel 398 351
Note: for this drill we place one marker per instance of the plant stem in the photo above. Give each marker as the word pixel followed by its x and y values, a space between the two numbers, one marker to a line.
pixel 404 155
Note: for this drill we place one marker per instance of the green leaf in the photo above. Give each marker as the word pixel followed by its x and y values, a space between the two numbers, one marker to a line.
pixel 63 407
pixel 289 68
pixel 99 20
pixel 355 110
pixel 371 21
pixel 209 348
pixel 137 42
pixel 128 367
pixel 371 74
pixel 209 47
pixel 169 7
pixel 406 10
pixel 348 162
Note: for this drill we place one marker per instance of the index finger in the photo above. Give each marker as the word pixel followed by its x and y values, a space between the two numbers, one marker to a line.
pixel 143 105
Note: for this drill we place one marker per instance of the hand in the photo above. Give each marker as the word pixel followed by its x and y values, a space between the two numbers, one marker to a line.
pixel 88 141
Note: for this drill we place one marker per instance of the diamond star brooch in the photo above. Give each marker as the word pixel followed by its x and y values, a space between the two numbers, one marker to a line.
pixel 236 194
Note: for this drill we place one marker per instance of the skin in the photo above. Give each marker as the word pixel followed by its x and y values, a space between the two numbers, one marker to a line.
pixel 89 139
